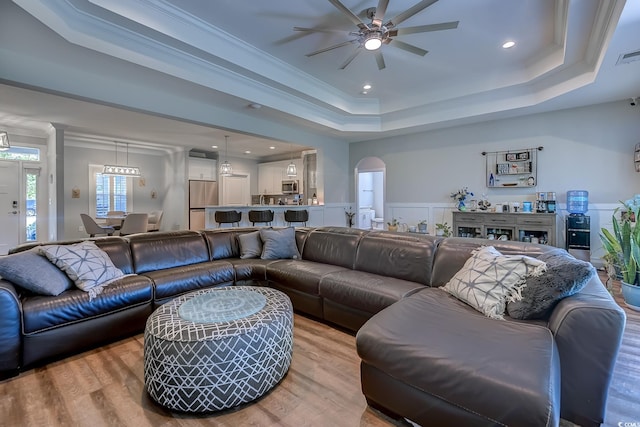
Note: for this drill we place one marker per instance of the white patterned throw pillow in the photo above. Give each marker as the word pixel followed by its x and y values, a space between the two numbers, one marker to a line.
pixel 87 265
pixel 489 279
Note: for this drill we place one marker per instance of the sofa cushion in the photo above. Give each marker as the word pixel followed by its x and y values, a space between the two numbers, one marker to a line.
pixel 45 312
pixel 171 282
pixel 279 243
pixel 160 250
pixel 365 291
pixel 453 359
pixel 300 275
pixel 333 245
pixel 34 272
pixel 488 279
pixel 88 266
pixel 250 245
pixel 453 252
pixel 564 277
pixel 403 256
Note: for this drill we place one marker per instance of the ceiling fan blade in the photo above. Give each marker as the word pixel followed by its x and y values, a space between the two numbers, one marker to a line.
pixel 427 28
pixel 380 11
pixel 335 46
pixel 380 60
pixel 409 12
pixel 352 16
pixel 408 47
pixel 350 58
pixel 318 30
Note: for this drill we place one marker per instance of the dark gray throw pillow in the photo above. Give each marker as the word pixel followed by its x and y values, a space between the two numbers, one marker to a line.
pixel 250 245
pixel 279 244
pixel 34 272
pixel 564 277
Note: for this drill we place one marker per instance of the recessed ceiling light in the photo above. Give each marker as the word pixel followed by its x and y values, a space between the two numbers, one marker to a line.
pixel 247 152
pixel 364 92
pixel 214 146
pixel 366 87
pixel 272 148
pixel 507 45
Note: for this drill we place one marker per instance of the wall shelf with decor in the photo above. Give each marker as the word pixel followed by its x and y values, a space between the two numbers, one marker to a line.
pixel 512 168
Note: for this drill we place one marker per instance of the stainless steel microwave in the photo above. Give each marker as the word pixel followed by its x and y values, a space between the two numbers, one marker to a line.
pixel 290 186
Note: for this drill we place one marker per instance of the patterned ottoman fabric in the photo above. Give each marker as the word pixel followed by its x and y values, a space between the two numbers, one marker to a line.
pixel 217 348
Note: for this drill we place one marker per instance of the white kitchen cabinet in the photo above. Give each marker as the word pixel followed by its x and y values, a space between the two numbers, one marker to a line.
pixel 203 169
pixel 271 175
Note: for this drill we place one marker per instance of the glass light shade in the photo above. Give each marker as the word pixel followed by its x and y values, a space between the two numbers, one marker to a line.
pixel 121 170
pixel 373 42
pixel 292 170
pixel 4 141
pixel 225 169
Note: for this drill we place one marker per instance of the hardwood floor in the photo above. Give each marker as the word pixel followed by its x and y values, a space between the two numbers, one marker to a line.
pixel 105 387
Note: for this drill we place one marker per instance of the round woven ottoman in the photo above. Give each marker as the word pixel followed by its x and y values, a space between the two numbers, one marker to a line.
pixel 217 348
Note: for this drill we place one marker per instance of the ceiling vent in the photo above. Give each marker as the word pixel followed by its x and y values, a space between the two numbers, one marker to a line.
pixel 203 154
pixel 627 58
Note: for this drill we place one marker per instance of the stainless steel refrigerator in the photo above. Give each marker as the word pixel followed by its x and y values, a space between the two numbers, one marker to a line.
pixel 201 194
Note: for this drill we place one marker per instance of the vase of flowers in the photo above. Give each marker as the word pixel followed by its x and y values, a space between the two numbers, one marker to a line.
pixel 460 196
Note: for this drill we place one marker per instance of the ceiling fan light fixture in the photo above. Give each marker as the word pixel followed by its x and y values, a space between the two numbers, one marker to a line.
pixel 373 41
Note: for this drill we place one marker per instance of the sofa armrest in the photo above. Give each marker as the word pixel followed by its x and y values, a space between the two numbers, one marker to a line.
pixel 588 330
pixel 10 330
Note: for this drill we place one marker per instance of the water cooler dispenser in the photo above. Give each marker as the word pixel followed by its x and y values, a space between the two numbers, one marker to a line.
pixel 578 225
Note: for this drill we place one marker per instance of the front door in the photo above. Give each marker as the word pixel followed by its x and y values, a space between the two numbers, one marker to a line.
pixel 9 206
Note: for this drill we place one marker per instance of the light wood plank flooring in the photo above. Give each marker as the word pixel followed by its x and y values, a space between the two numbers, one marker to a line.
pixel 104 387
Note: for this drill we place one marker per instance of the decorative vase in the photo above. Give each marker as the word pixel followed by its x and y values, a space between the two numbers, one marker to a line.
pixel 461 206
pixel 392 227
pixel 422 227
pixel 631 295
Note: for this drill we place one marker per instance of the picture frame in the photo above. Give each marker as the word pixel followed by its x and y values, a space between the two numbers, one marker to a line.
pixel 511 157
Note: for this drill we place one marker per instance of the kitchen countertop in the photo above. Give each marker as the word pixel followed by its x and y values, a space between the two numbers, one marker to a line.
pixel 261 206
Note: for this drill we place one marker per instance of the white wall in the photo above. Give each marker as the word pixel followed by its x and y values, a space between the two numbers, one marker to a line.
pixel 589 148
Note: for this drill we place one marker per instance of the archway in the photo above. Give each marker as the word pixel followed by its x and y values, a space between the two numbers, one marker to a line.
pixel 370 174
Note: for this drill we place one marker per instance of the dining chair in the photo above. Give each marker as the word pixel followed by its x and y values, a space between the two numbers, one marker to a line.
pixel 134 223
pixel 116 223
pixel 93 228
pixel 155 218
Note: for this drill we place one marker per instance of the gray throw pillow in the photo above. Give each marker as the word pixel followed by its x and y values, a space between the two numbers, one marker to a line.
pixel 250 245
pixel 86 264
pixel 564 277
pixel 279 244
pixel 34 272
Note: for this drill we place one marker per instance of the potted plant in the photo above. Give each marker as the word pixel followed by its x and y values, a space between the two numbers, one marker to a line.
pixel 392 225
pixel 422 226
pixel 443 229
pixel 622 247
pixel 460 196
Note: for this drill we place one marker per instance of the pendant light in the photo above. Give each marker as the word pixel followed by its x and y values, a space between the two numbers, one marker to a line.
pixel 125 170
pixel 225 168
pixel 4 140
pixel 292 171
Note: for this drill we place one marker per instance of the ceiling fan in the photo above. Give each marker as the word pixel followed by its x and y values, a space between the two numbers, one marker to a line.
pixel 373 35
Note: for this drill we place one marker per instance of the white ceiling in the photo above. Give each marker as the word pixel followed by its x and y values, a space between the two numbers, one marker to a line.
pixel 565 56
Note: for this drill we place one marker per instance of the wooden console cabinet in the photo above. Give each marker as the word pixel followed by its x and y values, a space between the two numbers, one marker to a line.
pixel 532 227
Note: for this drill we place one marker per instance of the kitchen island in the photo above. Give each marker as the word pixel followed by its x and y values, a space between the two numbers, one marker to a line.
pixel 316 214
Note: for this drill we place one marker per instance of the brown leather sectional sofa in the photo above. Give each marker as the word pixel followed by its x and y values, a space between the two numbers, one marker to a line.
pixel 425 355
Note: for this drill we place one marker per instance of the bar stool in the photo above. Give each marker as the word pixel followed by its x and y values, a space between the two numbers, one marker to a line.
pixel 300 215
pixel 228 217
pixel 261 216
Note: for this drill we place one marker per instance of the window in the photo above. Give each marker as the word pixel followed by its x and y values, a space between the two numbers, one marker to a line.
pixel 109 192
pixel 31 197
